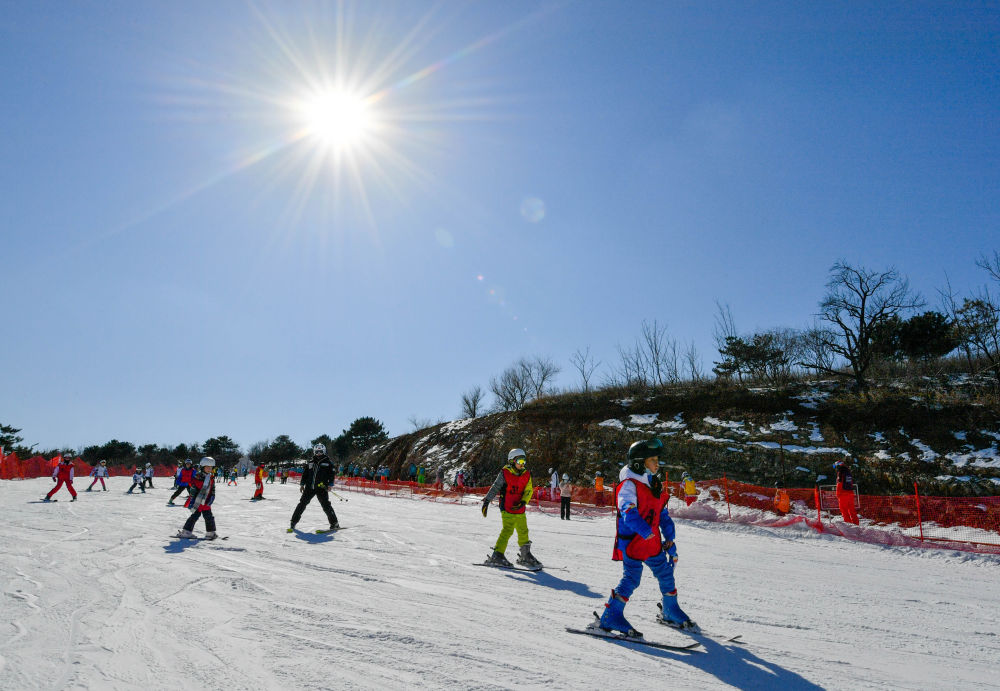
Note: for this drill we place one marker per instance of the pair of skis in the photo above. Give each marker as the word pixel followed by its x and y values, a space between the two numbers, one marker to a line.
pixel 594 629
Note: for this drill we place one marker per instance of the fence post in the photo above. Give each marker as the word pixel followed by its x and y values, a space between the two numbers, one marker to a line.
pixel 725 484
pixel 920 521
pixel 819 510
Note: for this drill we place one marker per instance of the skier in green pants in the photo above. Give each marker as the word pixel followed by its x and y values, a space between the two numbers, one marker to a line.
pixel 513 485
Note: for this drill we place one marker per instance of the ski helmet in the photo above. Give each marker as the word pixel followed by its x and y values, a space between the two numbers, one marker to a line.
pixel 207 461
pixel 319 450
pixel 838 464
pixel 516 453
pixel 640 451
pixel 188 461
pixel 551 470
pixel 104 462
pixel 149 465
pixel 566 476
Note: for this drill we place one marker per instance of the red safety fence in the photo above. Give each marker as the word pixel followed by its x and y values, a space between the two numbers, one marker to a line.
pixel 961 523
pixel 13 468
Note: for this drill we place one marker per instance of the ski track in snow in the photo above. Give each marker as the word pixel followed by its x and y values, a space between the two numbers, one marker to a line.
pixel 95 595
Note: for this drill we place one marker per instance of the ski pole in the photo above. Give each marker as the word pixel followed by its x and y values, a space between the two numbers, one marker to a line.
pixel 338 496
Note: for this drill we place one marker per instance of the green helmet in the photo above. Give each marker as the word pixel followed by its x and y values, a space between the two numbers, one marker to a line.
pixel 640 451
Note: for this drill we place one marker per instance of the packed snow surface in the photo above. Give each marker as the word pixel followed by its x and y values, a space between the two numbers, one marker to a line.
pixel 97 596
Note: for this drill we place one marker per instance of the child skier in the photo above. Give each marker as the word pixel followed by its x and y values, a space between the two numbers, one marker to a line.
pixel 690 489
pixel 149 475
pixel 316 478
pixel 99 472
pixel 182 481
pixel 258 478
pixel 645 535
pixel 62 474
pixel 138 480
pixel 565 495
pixel 513 484
pixel 203 484
pixel 232 478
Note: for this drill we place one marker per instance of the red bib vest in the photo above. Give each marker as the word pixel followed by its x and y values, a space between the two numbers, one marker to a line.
pixel 649 508
pixel 513 489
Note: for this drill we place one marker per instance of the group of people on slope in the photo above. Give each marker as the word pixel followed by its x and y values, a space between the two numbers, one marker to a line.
pixel 644 531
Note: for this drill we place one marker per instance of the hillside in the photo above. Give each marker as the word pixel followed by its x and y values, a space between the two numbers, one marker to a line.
pixel 941 434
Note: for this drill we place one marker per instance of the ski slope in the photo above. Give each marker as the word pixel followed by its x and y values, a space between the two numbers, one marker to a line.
pixel 95 595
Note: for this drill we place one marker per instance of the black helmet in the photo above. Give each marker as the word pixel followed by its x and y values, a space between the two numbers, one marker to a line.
pixel 640 451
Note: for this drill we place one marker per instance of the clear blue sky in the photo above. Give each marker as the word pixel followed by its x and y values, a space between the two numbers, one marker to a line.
pixel 185 253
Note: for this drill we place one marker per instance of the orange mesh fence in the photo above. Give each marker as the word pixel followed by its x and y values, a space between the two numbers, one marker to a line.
pixel 13 468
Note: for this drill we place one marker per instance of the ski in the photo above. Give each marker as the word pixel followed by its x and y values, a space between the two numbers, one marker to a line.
pixel 512 567
pixel 719 637
pixel 597 632
pixel 196 537
pixel 324 531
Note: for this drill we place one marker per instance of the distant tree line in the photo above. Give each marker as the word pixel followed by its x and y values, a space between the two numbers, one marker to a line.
pixel 362 434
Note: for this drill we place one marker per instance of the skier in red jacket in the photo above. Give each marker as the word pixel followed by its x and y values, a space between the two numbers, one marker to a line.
pixel 258 478
pixel 62 473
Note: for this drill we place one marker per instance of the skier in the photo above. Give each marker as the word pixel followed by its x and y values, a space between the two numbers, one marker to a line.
pixel 565 495
pixel 182 481
pixel 270 475
pixel 439 479
pixel 62 474
pixel 258 478
pixel 149 475
pixel 598 489
pixel 553 483
pixel 201 505
pixel 642 518
pixel 232 477
pixel 138 480
pixel 513 484
pixel 316 478
pixel 690 490
pixel 845 492
pixel 99 472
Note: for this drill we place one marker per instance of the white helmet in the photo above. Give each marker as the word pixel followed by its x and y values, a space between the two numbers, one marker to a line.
pixel 104 462
pixel 149 465
pixel 319 450
pixel 552 470
pixel 207 461
pixel 565 476
pixel 516 453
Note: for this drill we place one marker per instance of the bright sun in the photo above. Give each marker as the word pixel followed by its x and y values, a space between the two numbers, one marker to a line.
pixel 338 119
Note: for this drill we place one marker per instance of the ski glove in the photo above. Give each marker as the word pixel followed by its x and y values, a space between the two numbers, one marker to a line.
pixel 321 485
pixel 671 549
pixel 486 506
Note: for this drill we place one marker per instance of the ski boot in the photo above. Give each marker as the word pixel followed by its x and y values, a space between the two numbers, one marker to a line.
pixel 90 489
pixel 672 615
pixel 105 489
pixel 498 559
pixel 211 535
pixel 170 503
pixel 614 619
pixel 291 529
pixel 335 525
pixel 73 499
pixel 527 559
pixel 184 533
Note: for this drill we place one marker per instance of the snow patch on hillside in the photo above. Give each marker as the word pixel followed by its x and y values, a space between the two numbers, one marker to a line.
pixel 735 426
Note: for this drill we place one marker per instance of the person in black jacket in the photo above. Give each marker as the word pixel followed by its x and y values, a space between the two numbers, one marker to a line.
pixel 316 480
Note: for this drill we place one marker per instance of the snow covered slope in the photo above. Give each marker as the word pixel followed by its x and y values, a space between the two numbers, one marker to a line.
pixel 95 595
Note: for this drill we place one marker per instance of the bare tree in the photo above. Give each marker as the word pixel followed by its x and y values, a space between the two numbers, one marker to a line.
pixel 539 371
pixel 990 265
pixel 725 325
pixel 420 423
pixel 472 401
pixel 632 369
pixel 660 353
pixel 858 301
pixel 815 348
pixel 692 360
pixel 511 389
pixel 585 365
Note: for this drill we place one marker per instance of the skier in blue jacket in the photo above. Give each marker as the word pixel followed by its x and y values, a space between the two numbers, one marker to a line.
pixel 645 535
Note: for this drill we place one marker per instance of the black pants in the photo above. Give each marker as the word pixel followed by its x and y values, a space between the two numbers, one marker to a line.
pixel 193 518
pixel 148 481
pixel 179 490
pixel 564 508
pixel 324 500
pixel 140 485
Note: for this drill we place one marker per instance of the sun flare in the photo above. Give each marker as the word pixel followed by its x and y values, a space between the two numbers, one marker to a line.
pixel 337 119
